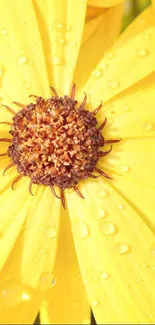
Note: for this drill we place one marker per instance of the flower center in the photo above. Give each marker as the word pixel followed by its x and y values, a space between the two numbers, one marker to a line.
pixel 57 142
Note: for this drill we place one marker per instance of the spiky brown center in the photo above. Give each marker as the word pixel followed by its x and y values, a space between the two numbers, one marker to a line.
pixel 55 142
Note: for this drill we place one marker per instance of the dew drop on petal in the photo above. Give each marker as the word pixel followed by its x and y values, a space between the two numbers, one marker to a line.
pixel 27 85
pixel 122 248
pixel 124 168
pixel 53 282
pixel 109 55
pixel 22 59
pixel 121 207
pixel 152 250
pixel 1 70
pixel 56 60
pixel 107 228
pixel 4 31
pixel 102 193
pixel 147 126
pixel 97 73
pixel 104 275
pixel 80 229
pixel 95 303
pixel 143 266
pixel 127 108
pixel 22 22
pixel 104 65
pixel 113 84
pixel 100 214
pixel 142 52
pixel 13 293
pixel 46 280
pixel 51 232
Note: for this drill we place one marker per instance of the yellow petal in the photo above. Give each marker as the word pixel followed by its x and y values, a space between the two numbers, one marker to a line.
pixel 68 293
pixel 61 31
pixel 18 304
pixel 34 253
pixel 104 3
pixel 134 50
pixel 97 39
pixel 131 117
pixel 21 56
pixel 12 219
pixel 115 249
pixel 92 12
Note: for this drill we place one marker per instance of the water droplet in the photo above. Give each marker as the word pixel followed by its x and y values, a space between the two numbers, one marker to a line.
pixel 13 293
pixel 102 193
pixel 95 303
pixel 68 28
pixel 146 37
pixel 142 52
pixel 122 248
pixel 100 214
pixel 80 229
pixel 138 279
pixel 104 275
pixel 104 65
pixel 4 31
pixel 127 108
pixel 124 168
pixel 97 73
pixel 46 280
pixel 107 228
pixel 1 70
pixel 53 282
pixel 27 85
pixel 56 60
pixel 109 55
pixel 51 232
pixel 126 286
pixel 152 250
pixel 61 40
pixel 113 84
pixel 121 207
pixel 86 281
pixel 143 266
pixel 22 22
pixel 72 43
pixel 147 126
pixel 22 59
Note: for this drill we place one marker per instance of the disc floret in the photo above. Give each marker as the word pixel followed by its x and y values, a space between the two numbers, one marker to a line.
pixel 55 141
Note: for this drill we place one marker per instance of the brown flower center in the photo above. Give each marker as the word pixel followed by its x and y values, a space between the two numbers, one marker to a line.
pixel 56 142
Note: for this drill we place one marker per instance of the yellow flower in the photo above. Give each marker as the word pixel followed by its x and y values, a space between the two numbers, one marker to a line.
pixel 113 227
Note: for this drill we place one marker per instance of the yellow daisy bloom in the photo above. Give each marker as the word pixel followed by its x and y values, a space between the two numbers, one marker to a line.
pixel 113 226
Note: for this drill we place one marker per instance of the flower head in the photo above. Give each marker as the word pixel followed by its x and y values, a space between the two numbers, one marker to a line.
pixel 57 142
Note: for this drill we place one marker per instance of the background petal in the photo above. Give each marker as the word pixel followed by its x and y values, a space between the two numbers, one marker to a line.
pixel 101 38
pixel 61 27
pixel 134 50
pixel 66 301
pixel 104 3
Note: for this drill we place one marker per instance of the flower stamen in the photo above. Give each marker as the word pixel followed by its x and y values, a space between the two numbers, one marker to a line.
pixel 16 180
pixel 5 122
pixel 97 109
pixel 10 109
pixel 78 191
pixel 5 140
pixel 8 167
